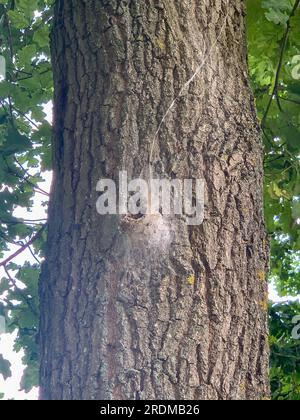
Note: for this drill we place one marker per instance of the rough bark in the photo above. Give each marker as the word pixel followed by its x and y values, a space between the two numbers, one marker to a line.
pixel 152 308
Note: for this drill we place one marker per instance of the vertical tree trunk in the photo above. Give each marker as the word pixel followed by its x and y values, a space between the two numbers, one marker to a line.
pixel 153 308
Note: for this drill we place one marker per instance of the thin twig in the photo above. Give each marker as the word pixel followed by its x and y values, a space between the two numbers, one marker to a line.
pixel 34 256
pixel 20 222
pixel 33 221
pixel 30 76
pixel 24 247
pixel 294 101
pixel 28 174
pixel 26 117
pixel 287 356
pixel 27 180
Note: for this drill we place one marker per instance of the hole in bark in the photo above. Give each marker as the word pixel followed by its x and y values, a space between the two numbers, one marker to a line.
pixel 136 216
pixel 133 218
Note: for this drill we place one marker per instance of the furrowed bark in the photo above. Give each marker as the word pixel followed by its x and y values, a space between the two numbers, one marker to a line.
pixel 153 308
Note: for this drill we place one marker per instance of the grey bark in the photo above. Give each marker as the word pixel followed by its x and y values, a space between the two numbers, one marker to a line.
pixel 152 308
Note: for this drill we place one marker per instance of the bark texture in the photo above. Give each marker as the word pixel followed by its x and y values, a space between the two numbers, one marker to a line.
pixel 152 308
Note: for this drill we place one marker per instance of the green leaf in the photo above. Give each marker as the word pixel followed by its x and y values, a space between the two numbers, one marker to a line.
pixel 41 36
pixel 28 7
pixel 26 55
pixel 18 19
pixel 16 142
pixel 5 368
pixel 30 377
pixel 296 211
pixel 277 17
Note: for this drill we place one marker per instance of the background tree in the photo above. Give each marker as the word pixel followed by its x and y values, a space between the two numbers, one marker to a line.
pixel 25 150
pixel 274 57
pixel 285 354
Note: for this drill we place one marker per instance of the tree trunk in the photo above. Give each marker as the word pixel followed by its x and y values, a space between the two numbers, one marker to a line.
pixel 153 308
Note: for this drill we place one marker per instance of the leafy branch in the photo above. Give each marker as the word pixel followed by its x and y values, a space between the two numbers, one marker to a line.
pixel 20 291
pixel 37 189
pixel 26 179
pixel 23 247
pixel 280 64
